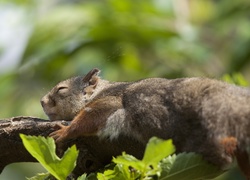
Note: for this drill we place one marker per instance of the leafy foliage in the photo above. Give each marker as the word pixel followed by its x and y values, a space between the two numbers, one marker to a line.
pixel 44 151
pixel 188 166
pixel 40 176
pixel 157 162
pixel 155 151
pixel 160 164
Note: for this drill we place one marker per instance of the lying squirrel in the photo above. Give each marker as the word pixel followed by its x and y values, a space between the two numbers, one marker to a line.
pixel 200 115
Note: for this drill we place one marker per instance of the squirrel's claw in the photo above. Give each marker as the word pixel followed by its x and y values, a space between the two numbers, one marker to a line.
pixel 59 135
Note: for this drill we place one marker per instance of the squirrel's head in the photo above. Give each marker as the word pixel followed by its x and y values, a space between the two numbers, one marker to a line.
pixel 68 97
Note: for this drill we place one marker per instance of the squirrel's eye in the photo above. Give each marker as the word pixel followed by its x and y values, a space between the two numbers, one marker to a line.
pixel 62 89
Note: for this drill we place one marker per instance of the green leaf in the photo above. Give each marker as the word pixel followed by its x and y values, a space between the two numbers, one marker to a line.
pixel 40 176
pixel 188 166
pixel 156 150
pixel 44 151
pixel 129 160
pixel 108 174
pixel 82 177
pixel 122 169
pixel 166 164
pixel 120 172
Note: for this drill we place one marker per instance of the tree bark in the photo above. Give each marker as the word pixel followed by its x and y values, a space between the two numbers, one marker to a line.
pixel 94 153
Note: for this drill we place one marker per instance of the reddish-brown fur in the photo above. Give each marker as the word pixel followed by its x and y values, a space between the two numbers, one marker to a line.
pixel 89 120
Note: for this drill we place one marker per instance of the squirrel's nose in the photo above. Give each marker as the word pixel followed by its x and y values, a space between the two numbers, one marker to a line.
pixel 47 101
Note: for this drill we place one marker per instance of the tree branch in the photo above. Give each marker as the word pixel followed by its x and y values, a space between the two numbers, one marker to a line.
pixel 94 153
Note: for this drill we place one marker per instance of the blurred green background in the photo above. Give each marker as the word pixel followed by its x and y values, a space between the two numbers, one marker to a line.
pixel 44 42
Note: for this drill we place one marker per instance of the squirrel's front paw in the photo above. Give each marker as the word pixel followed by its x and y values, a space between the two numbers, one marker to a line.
pixel 59 135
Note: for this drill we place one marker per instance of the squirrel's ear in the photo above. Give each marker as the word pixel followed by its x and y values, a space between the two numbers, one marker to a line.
pixel 92 76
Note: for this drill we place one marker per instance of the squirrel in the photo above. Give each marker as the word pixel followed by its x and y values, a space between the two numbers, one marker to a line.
pixel 200 115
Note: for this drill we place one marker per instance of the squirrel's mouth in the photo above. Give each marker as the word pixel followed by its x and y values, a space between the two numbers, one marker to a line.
pixel 53 116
